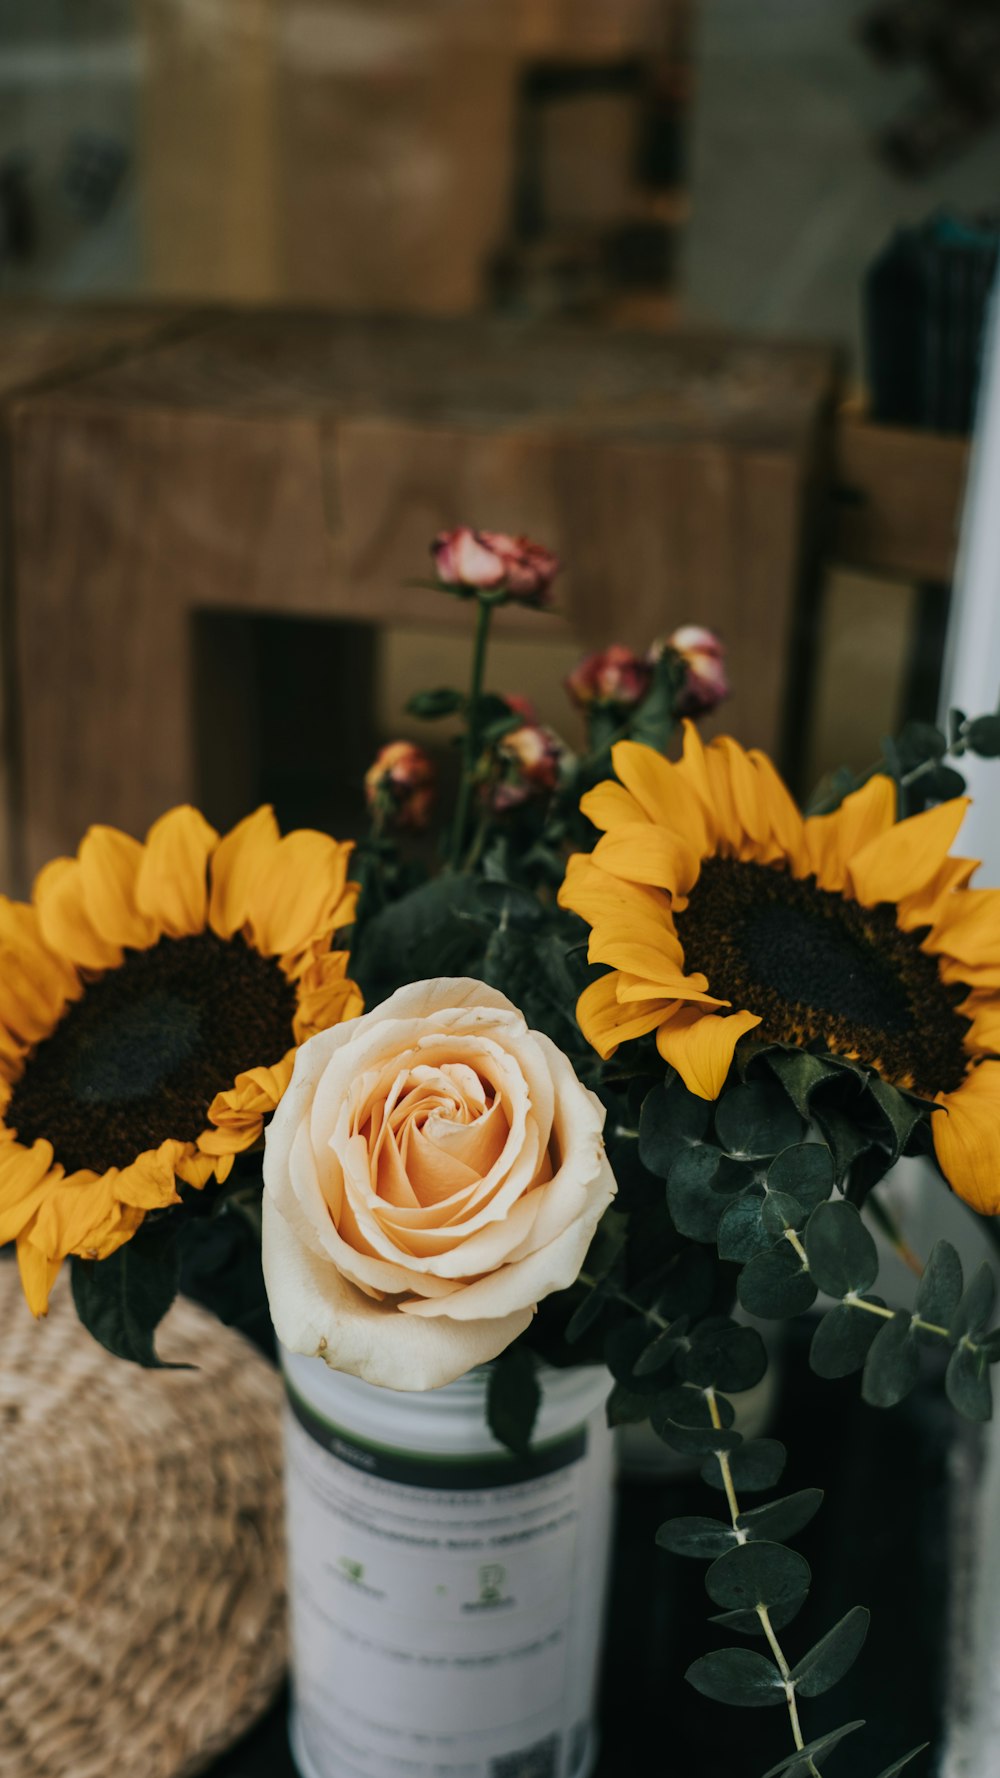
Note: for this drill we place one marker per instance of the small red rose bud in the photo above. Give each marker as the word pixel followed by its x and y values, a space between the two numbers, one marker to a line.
pixel 614 677
pixel 530 761
pixel 705 684
pixel 520 706
pixel 399 785
pixel 490 561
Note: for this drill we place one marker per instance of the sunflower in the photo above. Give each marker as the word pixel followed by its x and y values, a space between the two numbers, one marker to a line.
pixel 720 909
pixel 151 1000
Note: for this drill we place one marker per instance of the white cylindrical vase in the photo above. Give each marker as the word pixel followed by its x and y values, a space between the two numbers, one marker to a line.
pixel 447 1598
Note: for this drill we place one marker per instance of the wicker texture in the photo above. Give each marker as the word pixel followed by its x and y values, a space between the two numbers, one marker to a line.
pixel 142 1623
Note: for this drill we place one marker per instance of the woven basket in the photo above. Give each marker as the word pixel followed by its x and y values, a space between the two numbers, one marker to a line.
pixel 142 1624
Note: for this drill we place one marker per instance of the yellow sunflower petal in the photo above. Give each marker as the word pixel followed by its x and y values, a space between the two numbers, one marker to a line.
pixel 700 1046
pixel 984 1037
pixel 594 894
pixel 172 882
pixel 24 1178
pixel 38 1273
pixel 727 760
pixel 640 947
pixel 109 868
pixel 238 1113
pixel 605 1024
pixel 787 828
pixel 925 907
pixel 301 894
pixel 967 1138
pixel 237 861
pixel 968 928
pixel 906 857
pixel 325 996
pixel 610 805
pixel 662 791
pixel 195 1168
pixel 150 1182
pixel 833 840
pixel 641 853
pixel 59 895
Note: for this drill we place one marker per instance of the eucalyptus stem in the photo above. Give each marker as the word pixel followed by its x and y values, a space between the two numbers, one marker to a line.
pixel 470 747
pixel 859 1302
pixel 722 1459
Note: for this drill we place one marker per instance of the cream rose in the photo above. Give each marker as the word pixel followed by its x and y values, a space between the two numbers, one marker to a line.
pixel 433 1170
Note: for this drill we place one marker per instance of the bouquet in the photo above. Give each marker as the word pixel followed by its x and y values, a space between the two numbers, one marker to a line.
pixel 610 1077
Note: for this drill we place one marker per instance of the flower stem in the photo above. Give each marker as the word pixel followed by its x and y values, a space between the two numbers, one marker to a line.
pixel 470 748
pixel 722 1459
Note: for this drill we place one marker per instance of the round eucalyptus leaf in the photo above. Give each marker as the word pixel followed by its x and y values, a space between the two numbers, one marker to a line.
pixel 842 1255
pixel 758 1574
pixel 696 1536
pixel 756 1120
pixel 694 1206
pixel 780 1212
pixel 741 1231
pixel 940 1289
pixel 967 1381
pixel 780 1519
pixel 893 1363
pixel 796 1765
pixel 671 1120
pixel 757 1466
pixel 843 1338
pixel 833 1656
pixel 737 1676
pixel 976 1305
pixel 730 1358
pixel 804 1171
pixel 775 1284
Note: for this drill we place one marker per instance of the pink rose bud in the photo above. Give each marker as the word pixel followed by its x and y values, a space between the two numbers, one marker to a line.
pixel 399 785
pixel 704 658
pixel 614 677
pixel 531 761
pixel 489 561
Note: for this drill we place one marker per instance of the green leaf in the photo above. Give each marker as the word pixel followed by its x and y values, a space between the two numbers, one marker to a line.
pixel 756 1120
pixel 804 1171
pixel 623 1348
pixel 585 1314
pixel 796 1764
pixel 893 1363
pixel 900 1113
pixel 843 1338
pixel 724 1355
pixel 741 1231
pixel 661 1350
pixel 976 1305
pixel 671 1121
pixel 513 1397
pixel 443 923
pixel 747 1623
pixel 706 1538
pixel 967 1382
pixel 940 1290
pixel 846 1140
pixel 780 1212
pixel 982 736
pixel 694 1206
pixel 756 1466
pixel 897 1765
pixel 775 1284
pixel 842 1255
pixel 800 1073
pixel 430 705
pixel 121 1300
pixel 756 1574
pixel 626 1407
pixel 833 1656
pixel 780 1519
pixel 694 1441
pixel 737 1676
pixel 686 1406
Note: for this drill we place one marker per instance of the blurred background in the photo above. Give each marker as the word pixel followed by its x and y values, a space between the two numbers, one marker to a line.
pixel 692 290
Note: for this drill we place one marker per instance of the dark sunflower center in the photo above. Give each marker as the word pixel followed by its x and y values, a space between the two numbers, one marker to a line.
pixel 142 1055
pixel 819 968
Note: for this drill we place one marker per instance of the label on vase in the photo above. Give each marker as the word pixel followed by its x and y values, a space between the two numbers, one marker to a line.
pixel 446 1610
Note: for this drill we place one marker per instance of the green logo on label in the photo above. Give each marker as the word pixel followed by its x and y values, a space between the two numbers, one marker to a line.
pixel 491 1579
pixel 353 1570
